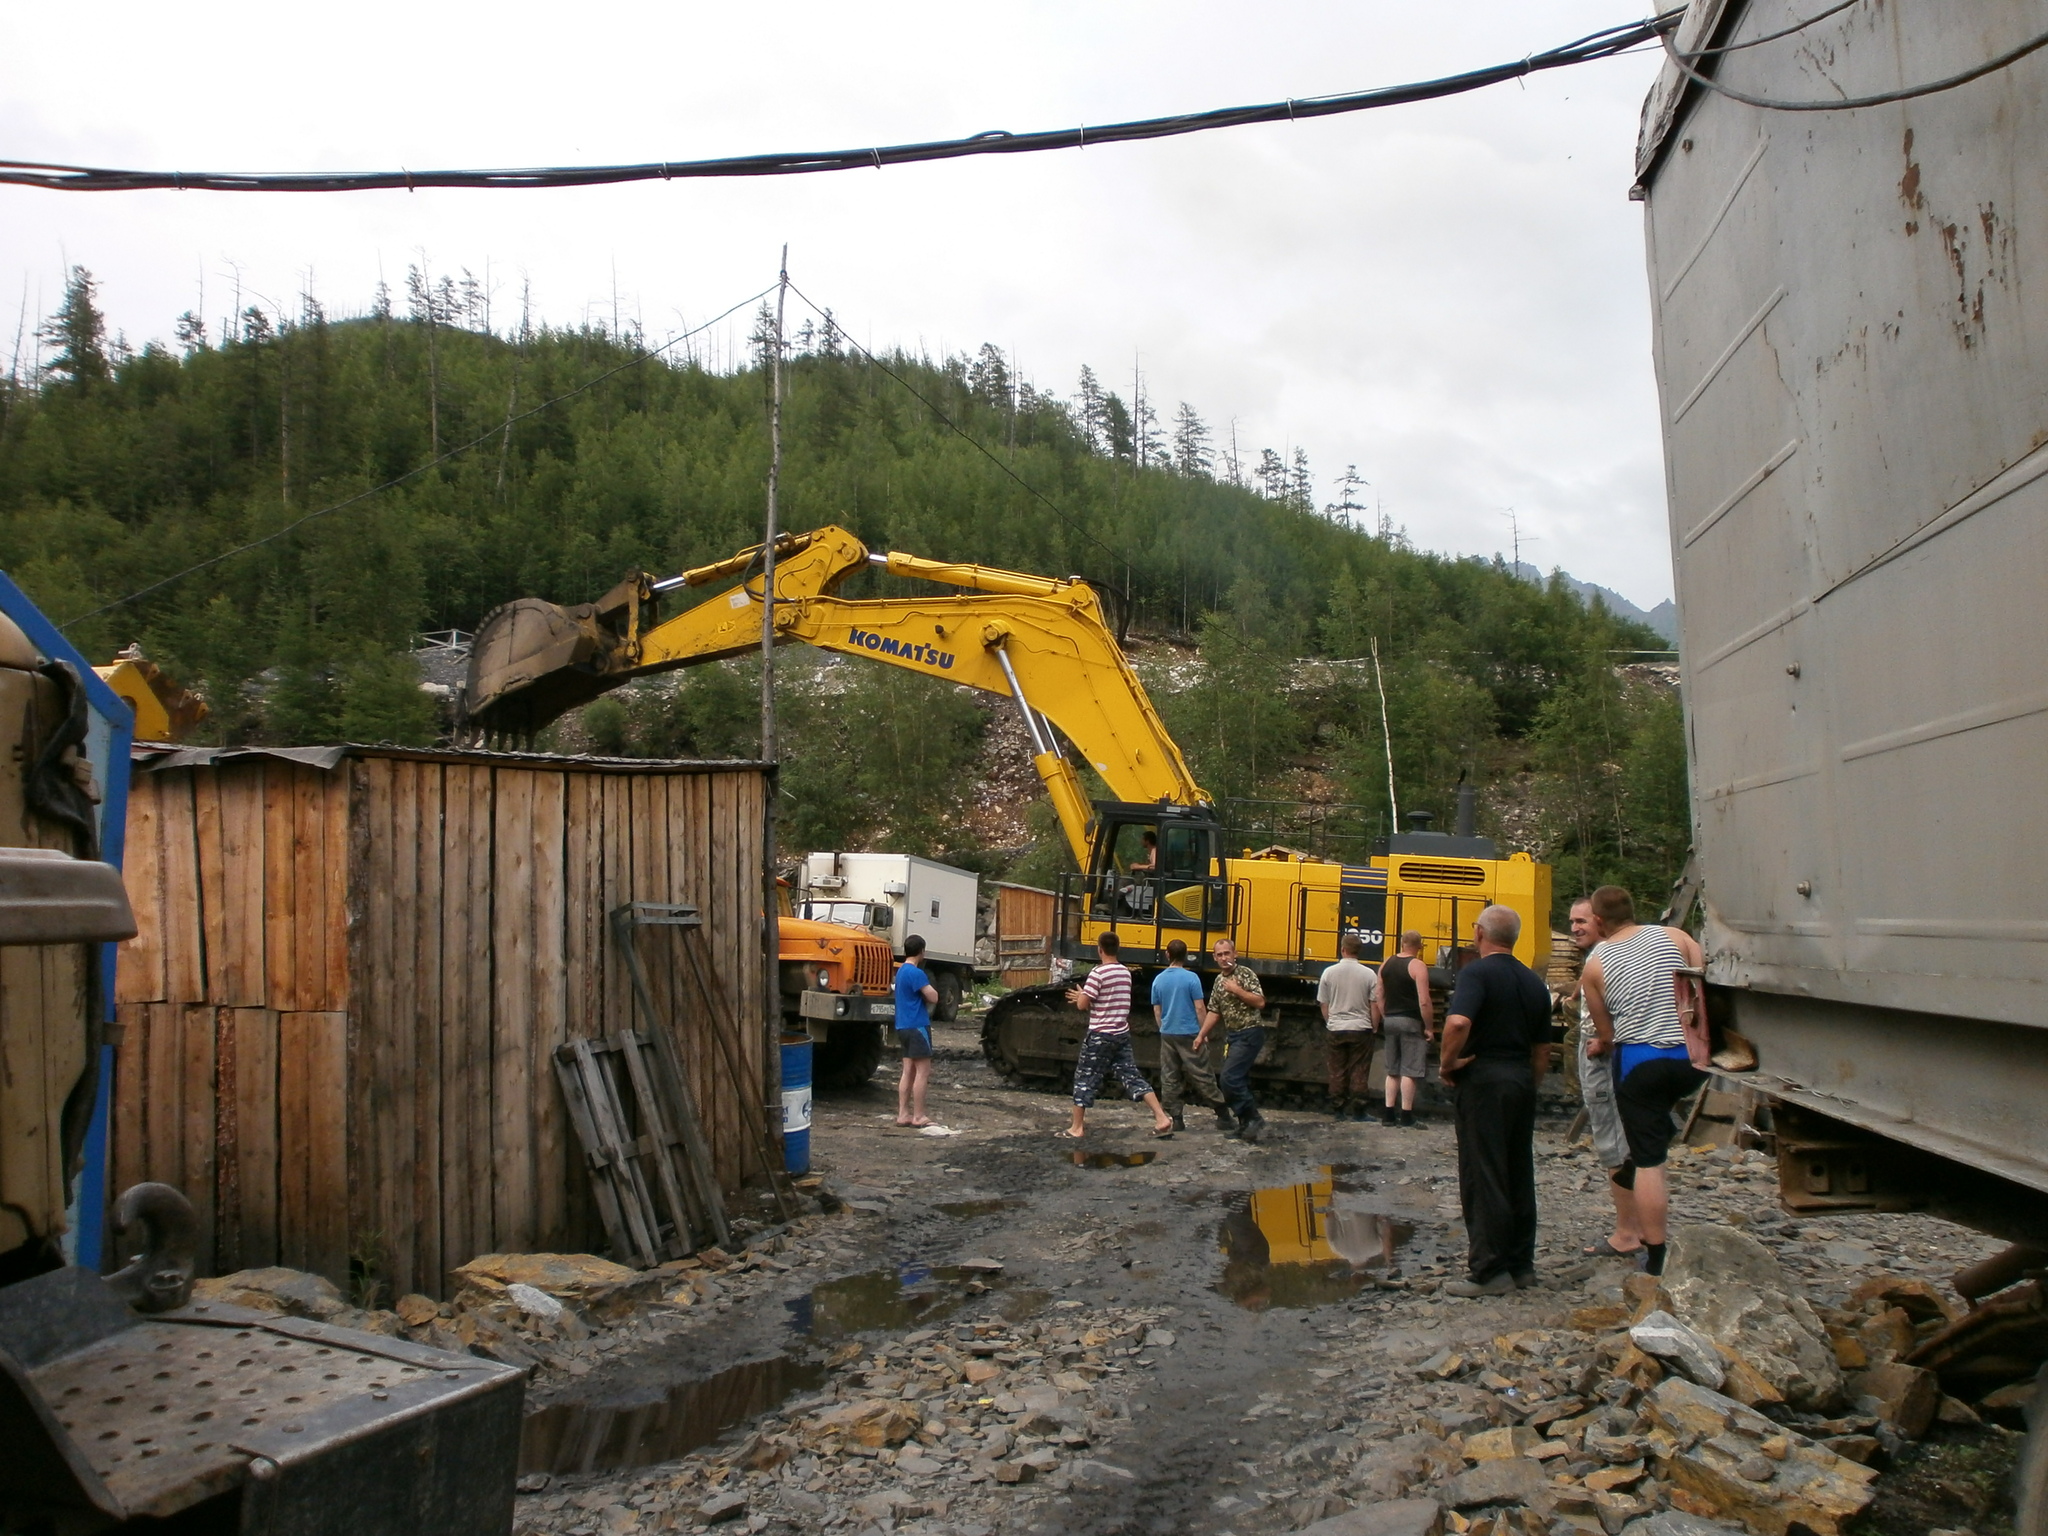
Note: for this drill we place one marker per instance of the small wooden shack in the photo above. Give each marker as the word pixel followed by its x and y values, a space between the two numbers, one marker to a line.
pixel 354 966
pixel 1024 923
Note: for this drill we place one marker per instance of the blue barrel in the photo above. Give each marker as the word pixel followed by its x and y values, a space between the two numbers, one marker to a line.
pixel 796 1103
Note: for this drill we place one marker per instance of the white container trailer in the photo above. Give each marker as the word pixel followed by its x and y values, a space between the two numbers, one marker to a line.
pixel 895 895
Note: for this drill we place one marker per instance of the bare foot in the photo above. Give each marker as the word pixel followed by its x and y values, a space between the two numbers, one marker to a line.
pixel 919 1123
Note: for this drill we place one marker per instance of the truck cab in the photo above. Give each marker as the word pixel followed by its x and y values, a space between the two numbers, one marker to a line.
pixel 838 986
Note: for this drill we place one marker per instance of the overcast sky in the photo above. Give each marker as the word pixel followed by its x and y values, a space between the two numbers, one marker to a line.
pixel 1449 296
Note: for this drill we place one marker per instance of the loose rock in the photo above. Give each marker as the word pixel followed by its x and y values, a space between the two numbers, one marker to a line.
pixel 1399 1517
pixel 1731 1288
pixel 1664 1336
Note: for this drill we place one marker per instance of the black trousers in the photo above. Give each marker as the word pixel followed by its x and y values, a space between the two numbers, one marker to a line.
pixel 1496 1108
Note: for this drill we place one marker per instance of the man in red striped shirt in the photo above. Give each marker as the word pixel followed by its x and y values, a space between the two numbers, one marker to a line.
pixel 1105 996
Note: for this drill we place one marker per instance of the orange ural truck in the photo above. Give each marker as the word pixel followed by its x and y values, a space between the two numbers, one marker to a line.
pixel 838 985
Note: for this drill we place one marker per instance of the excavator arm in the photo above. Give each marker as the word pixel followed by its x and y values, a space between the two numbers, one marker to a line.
pixel 1039 640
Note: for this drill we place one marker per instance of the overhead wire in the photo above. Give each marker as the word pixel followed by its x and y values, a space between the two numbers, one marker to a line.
pixel 1771 37
pixel 395 481
pixel 1609 42
pixel 1852 103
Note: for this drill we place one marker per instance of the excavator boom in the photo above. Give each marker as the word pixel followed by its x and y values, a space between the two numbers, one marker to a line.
pixel 1040 640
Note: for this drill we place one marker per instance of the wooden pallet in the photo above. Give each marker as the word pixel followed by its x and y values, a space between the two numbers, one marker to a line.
pixel 649 1167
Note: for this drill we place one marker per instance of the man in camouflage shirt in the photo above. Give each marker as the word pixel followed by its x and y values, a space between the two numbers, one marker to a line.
pixel 1234 1004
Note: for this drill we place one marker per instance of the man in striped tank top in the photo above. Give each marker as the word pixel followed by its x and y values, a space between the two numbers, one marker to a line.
pixel 1631 992
pixel 1106 1051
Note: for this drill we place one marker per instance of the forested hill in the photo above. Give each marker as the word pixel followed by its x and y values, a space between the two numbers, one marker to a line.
pixel 118 469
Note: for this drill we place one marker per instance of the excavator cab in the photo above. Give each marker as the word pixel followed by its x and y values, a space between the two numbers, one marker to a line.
pixel 1154 874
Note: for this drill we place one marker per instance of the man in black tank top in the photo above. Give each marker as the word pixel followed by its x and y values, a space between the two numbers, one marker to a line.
pixel 1406 1016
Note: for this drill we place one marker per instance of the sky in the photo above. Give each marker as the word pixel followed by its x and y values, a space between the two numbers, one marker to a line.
pixel 1449 296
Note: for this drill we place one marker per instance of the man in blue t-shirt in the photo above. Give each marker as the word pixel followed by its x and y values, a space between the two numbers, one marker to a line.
pixel 915 995
pixel 1177 1005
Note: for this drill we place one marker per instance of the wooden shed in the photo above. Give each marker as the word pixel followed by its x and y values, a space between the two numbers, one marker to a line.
pixel 1024 923
pixel 355 964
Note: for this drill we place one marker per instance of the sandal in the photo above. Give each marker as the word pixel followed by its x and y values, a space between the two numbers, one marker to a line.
pixel 1605 1249
pixel 1165 1134
pixel 1063 1134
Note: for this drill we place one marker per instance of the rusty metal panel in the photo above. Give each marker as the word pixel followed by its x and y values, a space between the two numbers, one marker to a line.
pixel 1854 385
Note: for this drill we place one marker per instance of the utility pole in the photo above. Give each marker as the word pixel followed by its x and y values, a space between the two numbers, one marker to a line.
pixel 768 542
pixel 771 982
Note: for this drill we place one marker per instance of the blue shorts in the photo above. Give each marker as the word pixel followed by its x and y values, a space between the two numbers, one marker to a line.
pixel 915 1042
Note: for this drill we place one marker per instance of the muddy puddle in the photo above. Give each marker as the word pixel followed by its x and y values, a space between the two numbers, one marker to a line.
pixel 1111 1159
pixel 1317 1242
pixel 580 1437
pixel 974 1210
pixel 907 1296
pixel 577 1437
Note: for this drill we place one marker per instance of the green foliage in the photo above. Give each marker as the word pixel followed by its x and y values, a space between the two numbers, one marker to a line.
pixel 868 754
pixel 1237 726
pixel 1620 816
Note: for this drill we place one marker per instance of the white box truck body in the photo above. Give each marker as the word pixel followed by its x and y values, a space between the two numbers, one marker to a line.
pixel 895 895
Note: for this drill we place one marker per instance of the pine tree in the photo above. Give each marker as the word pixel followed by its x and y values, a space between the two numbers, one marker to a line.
pixel 1347 506
pixel 1301 488
pixel 79 333
pixel 1144 425
pixel 1093 421
pixel 1191 453
pixel 427 311
pixel 989 377
pixel 1272 475
pixel 1117 437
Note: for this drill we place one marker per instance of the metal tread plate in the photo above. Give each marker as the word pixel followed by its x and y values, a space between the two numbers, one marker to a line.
pixel 172 1410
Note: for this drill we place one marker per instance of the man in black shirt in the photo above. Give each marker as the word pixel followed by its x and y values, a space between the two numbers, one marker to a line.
pixel 1496 1045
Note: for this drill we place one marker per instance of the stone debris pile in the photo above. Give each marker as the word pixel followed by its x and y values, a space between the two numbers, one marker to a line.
pixel 557 1316
pixel 945 1423
pixel 1720 1398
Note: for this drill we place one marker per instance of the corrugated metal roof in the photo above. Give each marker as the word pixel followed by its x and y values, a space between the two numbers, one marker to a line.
pixel 149 757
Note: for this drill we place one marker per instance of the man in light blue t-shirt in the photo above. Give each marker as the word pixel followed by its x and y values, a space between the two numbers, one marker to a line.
pixel 1177 1005
pixel 915 995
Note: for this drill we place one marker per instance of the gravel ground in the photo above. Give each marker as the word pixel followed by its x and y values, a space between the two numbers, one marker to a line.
pixel 995 1333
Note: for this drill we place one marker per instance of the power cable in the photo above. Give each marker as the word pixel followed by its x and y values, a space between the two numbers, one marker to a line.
pixel 414 473
pixel 968 437
pixel 1606 43
pixel 1854 103
pixel 1771 37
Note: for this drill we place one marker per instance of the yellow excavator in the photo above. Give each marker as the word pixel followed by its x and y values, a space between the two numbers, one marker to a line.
pixel 1154 861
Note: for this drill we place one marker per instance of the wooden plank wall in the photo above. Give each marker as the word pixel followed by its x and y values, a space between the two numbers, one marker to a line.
pixel 1024 923
pixel 234 1013
pixel 348 986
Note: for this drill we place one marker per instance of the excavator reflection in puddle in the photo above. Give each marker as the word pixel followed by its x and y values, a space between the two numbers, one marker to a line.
pixel 1290 1246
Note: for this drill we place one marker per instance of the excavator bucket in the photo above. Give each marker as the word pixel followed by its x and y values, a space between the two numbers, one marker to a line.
pixel 531 662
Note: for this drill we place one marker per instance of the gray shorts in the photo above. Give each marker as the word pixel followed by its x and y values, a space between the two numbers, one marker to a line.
pixel 1603 1111
pixel 1407 1052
